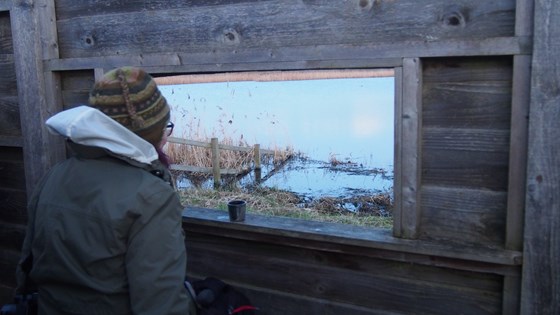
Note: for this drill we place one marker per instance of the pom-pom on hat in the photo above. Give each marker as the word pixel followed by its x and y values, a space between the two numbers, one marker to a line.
pixel 130 96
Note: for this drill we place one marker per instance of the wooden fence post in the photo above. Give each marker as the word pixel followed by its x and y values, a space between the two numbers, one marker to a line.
pixel 215 162
pixel 257 157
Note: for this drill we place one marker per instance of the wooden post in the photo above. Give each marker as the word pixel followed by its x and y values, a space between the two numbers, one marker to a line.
pixel 410 150
pixel 540 290
pixel 257 157
pixel 257 152
pixel 215 162
pixel 34 38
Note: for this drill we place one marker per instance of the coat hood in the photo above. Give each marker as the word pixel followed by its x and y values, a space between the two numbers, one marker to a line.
pixel 90 127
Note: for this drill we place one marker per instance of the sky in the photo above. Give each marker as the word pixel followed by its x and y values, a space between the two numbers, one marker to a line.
pixel 350 119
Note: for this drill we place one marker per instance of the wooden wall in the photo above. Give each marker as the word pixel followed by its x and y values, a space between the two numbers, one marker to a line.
pixel 466 121
pixel 290 266
pixel 12 176
pixel 463 109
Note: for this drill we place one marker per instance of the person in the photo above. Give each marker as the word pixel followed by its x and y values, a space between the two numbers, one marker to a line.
pixel 104 234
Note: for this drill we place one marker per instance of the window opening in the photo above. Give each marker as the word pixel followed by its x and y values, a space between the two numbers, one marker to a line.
pixel 326 141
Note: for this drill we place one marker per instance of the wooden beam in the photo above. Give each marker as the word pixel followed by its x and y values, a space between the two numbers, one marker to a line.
pixel 47 33
pixel 11 141
pixel 339 238
pixel 408 171
pixel 5 5
pixel 524 17
pixel 41 150
pixel 300 58
pixel 397 182
pixel 518 151
pixel 511 294
pixel 266 76
pixel 541 270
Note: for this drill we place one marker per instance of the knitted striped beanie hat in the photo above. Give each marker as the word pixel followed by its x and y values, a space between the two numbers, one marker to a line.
pixel 131 97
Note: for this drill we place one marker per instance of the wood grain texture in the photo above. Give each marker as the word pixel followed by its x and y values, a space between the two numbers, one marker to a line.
pixel 6 40
pixel 106 30
pixel 341 238
pixel 463 215
pixel 75 87
pixel 339 278
pixel 9 110
pixel 398 157
pixel 467 92
pixel 466 122
pixel 41 149
pixel 13 206
pixel 470 158
pixel 410 147
pixel 12 174
pixel 540 288
pixel 517 177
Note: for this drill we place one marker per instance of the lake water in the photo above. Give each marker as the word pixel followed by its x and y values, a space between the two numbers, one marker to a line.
pixel 343 120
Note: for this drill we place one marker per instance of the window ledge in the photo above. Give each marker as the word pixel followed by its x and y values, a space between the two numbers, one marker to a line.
pixel 308 233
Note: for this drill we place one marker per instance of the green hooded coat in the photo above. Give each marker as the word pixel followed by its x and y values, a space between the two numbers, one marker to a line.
pixel 104 226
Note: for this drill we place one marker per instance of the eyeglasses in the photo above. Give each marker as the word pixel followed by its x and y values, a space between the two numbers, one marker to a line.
pixel 169 128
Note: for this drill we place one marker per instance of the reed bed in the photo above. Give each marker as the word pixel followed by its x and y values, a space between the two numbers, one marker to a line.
pixel 373 211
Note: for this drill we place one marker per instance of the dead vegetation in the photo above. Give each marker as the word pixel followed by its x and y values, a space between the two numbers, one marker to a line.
pixel 374 211
pixel 364 210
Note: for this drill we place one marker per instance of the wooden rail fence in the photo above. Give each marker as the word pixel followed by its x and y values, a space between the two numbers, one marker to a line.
pixel 215 148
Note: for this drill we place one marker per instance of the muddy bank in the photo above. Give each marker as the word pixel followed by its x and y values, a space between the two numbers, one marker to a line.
pixel 326 186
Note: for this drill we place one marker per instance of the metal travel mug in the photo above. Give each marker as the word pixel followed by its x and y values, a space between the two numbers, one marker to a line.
pixel 236 209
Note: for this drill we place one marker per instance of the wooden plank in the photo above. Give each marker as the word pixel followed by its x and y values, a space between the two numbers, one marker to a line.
pixel 472 92
pixel 540 289
pixel 12 235
pixel 483 105
pixel 469 158
pixel 14 203
pixel 268 76
pixel 75 87
pixel 524 11
pixel 5 5
pixel 465 216
pixel 411 150
pixel 215 156
pixel 12 174
pixel 398 158
pixel 511 295
pixel 518 151
pixel 8 76
pixel 296 58
pixel 11 141
pixel 276 302
pixel 12 166
pixel 41 149
pixel 337 237
pixel 6 41
pixel 10 125
pixel 389 291
pixel 378 262
pixel 78 80
pixel 468 69
pixel 271 24
pixel 74 97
